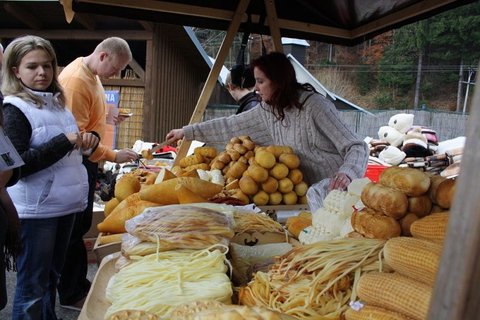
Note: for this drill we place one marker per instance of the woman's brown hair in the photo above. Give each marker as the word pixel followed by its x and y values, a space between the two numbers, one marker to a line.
pixel 278 69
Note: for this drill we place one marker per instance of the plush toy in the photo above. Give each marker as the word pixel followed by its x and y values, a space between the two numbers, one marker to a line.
pixel 392 155
pixel 391 135
pixel 402 122
pixel 398 125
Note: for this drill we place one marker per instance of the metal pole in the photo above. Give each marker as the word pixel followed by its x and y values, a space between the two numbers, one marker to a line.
pixel 470 72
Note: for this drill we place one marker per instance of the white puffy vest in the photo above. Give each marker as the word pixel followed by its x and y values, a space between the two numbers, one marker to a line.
pixel 61 188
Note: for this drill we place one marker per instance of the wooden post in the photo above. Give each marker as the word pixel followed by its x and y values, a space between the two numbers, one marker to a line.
pixel 213 75
pixel 456 291
pixel 273 25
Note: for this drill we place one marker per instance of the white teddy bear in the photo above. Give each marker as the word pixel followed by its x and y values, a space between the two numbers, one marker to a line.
pixel 398 125
pixel 391 135
pixel 401 122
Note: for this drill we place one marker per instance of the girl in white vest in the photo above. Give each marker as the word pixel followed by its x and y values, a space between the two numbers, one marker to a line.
pixel 53 182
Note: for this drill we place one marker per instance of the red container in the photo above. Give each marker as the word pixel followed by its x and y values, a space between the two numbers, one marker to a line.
pixel 373 171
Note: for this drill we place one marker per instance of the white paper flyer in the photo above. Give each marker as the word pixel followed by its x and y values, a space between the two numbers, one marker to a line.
pixel 9 157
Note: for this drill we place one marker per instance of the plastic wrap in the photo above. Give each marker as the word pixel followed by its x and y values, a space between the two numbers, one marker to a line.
pixel 181 226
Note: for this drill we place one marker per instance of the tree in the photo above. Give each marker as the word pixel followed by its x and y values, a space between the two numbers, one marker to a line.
pixel 397 65
pixel 371 52
pixel 421 41
pixel 455 40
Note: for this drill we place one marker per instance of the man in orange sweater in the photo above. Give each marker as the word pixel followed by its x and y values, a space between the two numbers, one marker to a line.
pixel 86 99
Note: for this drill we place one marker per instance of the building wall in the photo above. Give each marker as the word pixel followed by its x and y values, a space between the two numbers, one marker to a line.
pixel 178 73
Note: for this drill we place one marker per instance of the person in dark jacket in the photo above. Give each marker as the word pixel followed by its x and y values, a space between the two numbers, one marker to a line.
pixel 240 83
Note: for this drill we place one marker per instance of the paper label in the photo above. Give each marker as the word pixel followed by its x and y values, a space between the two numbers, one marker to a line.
pixel 9 157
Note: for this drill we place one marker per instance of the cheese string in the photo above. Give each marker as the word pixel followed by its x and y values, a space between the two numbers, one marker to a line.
pixel 315 281
pixel 158 282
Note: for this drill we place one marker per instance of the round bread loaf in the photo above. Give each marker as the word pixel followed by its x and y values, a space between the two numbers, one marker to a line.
pixel 386 200
pixel 445 193
pixel 412 182
pixel 435 181
pixel 374 225
pixel 421 205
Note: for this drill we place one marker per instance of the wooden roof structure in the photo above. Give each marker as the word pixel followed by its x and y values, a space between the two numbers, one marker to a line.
pixel 333 21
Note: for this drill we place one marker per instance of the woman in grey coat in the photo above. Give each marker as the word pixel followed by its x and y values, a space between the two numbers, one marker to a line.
pixel 292 114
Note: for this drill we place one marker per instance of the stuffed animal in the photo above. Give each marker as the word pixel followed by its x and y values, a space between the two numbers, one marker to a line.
pixel 391 135
pixel 401 122
pixel 392 155
pixel 398 125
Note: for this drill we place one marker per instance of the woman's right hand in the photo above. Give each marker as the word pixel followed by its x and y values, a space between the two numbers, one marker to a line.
pixel 89 141
pixel 174 135
pixel 75 139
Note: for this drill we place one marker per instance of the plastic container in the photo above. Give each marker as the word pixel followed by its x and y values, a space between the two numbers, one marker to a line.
pixel 374 171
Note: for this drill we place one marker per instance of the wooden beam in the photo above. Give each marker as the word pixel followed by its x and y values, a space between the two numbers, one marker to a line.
pixel 226 15
pixel 273 25
pixel 86 20
pixel 399 16
pixel 25 17
pixel 148 97
pixel 314 28
pixel 78 34
pixel 137 68
pixel 456 290
pixel 168 7
pixel 213 75
pixel 147 25
pixel 219 14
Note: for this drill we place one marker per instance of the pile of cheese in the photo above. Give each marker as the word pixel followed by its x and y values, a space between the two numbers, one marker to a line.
pixel 264 175
pixel 332 221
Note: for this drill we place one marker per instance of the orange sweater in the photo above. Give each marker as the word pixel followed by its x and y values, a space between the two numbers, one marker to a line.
pixel 86 99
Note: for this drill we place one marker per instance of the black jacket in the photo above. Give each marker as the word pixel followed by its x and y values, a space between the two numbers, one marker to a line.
pixel 248 101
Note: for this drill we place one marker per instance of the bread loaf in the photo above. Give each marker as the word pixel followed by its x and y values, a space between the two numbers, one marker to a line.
pixel 185 195
pixel 164 192
pixel 435 181
pixel 115 222
pixel 110 205
pixel 421 205
pixel 406 223
pixel 412 182
pixel 126 185
pixel 374 225
pixel 129 201
pixel 386 200
pixel 445 193
pixel 436 208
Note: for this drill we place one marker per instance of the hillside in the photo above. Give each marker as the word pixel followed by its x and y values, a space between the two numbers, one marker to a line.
pixel 343 84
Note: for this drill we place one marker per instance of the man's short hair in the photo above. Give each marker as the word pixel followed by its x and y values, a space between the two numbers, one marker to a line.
pixel 116 46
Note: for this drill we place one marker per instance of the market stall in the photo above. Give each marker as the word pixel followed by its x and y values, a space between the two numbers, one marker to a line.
pixel 205 206
pixel 454 294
